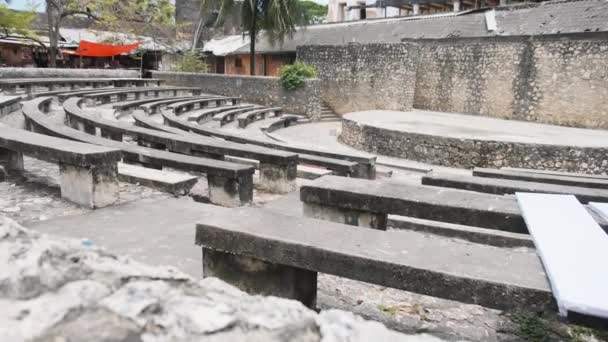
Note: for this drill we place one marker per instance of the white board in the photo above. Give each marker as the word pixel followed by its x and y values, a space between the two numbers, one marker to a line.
pixel 573 249
pixel 600 208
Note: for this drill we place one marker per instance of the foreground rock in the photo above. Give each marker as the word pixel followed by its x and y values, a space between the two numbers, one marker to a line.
pixel 67 290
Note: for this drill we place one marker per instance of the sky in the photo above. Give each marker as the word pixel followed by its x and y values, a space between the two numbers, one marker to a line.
pixel 26 4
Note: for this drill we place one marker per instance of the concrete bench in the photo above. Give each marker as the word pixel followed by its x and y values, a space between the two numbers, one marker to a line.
pixel 246 118
pixel 118 95
pixel 189 105
pixel 127 107
pixel 267 253
pixel 542 178
pixel 277 168
pixel 9 105
pixel 206 115
pixel 228 116
pixel 555 173
pixel 367 203
pixel 88 174
pixel 171 182
pixel 282 122
pixel 500 186
pixel 28 85
pixel 229 184
pixel 153 107
pixel 337 166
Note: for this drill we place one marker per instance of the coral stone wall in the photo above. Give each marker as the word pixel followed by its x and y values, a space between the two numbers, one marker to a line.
pixel 357 77
pixel 554 79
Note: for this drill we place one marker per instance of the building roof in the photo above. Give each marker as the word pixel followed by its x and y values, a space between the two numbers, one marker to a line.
pixel 551 17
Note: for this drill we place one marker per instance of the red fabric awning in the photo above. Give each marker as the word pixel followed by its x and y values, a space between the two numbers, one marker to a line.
pixel 92 49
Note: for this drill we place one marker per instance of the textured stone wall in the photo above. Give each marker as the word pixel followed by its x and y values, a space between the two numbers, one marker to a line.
pixel 555 79
pixel 357 77
pixel 59 72
pixel 66 290
pixel 256 89
pixel 469 153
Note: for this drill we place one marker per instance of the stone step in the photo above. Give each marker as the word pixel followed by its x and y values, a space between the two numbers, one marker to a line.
pixel 303 171
pixel 171 182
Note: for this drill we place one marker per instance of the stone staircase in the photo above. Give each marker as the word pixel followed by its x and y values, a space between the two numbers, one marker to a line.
pixel 327 114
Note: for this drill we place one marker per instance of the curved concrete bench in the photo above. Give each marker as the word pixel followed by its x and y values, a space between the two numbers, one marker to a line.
pixel 12 86
pixel 93 99
pixel 127 107
pixel 230 184
pixel 268 253
pixel 206 115
pixel 277 168
pixel 340 164
pixel 153 107
pixel 282 122
pixel 10 105
pixel 246 118
pixel 186 106
pixel 88 174
pixel 228 116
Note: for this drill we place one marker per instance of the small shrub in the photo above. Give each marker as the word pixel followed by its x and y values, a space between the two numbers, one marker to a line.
pixel 191 62
pixel 293 76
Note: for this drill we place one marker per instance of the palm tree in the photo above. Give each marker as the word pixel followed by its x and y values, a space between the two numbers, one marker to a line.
pixel 277 18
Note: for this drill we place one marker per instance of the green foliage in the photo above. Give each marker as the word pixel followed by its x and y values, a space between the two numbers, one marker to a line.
pixel 191 62
pixel 313 12
pixel 531 328
pixel 15 22
pixel 293 76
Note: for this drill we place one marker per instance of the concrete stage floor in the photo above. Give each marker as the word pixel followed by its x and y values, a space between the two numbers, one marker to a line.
pixel 463 126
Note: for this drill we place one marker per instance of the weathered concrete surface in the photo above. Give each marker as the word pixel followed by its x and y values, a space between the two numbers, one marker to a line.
pixel 56 290
pixel 483 275
pixel 544 178
pixel 509 186
pixel 425 202
pixel 256 89
pixel 171 182
pixel 467 141
pixel 63 72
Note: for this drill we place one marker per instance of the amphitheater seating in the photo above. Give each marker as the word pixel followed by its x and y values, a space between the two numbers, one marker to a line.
pixel 127 107
pixel 340 164
pixel 88 173
pixel 9 105
pixel 268 253
pixel 246 118
pixel 206 115
pixel 190 105
pixel 280 122
pixel 28 85
pixel 367 203
pixel 229 184
pixel 509 186
pixel 586 182
pixel 277 168
pixel 228 116
pixel 163 180
pixel 153 107
pixel 93 99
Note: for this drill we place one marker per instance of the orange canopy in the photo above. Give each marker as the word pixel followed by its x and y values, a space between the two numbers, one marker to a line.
pixel 92 49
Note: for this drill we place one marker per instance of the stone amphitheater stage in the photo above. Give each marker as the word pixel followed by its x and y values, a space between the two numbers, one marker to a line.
pixel 467 141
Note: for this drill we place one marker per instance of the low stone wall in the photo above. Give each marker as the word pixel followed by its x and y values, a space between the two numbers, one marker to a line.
pixel 67 290
pixel 60 73
pixel 358 77
pixel 469 153
pixel 256 89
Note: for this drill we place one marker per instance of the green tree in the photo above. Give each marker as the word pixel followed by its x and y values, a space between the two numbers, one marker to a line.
pixel 277 18
pixel 315 13
pixel 16 24
pixel 118 14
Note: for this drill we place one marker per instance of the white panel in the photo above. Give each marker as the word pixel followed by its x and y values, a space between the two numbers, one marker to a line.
pixel 573 249
pixel 600 208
